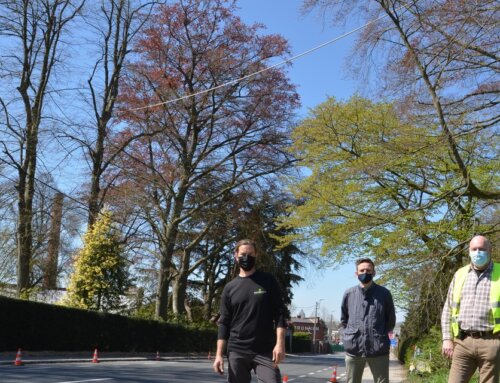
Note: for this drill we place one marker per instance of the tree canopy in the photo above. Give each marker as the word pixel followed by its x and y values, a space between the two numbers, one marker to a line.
pixel 378 186
pixel 437 64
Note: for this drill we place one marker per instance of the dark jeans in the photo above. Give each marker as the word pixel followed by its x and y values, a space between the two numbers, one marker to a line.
pixel 241 365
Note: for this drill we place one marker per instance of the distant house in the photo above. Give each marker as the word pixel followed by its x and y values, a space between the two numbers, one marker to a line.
pixel 316 327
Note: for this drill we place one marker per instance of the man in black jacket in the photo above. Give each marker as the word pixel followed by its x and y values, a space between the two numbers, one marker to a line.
pixel 368 316
pixel 252 323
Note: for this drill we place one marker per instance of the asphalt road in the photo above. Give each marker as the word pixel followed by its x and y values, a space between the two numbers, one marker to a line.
pixel 304 369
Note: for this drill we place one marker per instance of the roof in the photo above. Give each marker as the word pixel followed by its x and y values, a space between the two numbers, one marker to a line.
pixel 303 320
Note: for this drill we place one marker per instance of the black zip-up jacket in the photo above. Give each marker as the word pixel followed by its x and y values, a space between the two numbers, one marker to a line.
pixel 367 317
pixel 251 310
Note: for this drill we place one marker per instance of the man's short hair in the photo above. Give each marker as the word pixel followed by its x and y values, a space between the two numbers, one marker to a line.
pixel 247 242
pixel 486 241
pixel 364 260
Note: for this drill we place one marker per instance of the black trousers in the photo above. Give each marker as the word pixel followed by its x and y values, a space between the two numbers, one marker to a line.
pixel 241 366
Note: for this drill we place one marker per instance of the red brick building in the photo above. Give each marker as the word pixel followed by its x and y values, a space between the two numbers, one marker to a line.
pixel 314 326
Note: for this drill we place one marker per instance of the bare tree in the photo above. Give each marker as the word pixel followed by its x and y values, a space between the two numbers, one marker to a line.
pixel 33 30
pixel 120 21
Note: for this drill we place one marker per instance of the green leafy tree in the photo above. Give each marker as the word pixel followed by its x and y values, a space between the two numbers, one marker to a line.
pixel 436 60
pixel 101 275
pixel 439 61
pixel 380 186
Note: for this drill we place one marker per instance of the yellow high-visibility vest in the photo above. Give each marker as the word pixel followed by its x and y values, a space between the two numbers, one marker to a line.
pixel 460 276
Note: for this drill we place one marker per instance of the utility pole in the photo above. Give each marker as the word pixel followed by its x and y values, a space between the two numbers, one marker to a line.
pixel 314 324
pixel 331 327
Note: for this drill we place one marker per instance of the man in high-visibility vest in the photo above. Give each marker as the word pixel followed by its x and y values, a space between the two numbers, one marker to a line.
pixel 471 317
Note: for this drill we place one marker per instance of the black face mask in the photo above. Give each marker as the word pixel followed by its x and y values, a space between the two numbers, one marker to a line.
pixel 365 278
pixel 246 262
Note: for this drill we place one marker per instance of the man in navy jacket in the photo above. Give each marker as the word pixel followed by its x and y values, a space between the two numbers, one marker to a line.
pixel 368 315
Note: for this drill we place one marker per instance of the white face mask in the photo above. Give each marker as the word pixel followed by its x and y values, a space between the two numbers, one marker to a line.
pixel 479 258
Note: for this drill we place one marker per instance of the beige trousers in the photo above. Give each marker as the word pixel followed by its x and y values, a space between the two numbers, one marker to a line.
pixel 379 366
pixel 470 354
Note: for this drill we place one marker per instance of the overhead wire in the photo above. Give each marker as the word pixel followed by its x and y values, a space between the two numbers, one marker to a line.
pixel 289 60
pixel 253 74
pixel 331 41
pixel 322 45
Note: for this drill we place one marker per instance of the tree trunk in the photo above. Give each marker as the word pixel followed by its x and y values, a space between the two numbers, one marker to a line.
pixel 94 204
pixel 165 274
pixel 180 285
pixel 164 278
pixel 26 190
pixel 24 239
pixel 209 288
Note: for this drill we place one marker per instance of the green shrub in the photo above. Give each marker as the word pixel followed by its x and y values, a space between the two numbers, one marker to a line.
pixel 427 351
pixel 429 364
pixel 302 335
pixel 301 342
pixel 437 377
pixel 39 326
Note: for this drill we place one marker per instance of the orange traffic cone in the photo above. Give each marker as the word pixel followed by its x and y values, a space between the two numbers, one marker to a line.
pixel 95 359
pixel 285 378
pixel 333 379
pixel 157 355
pixel 18 361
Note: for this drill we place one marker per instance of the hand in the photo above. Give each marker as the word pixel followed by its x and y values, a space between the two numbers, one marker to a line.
pixel 278 354
pixel 447 349
pixel 218 365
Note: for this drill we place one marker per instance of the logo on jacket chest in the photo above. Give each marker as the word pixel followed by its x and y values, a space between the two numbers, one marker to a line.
pixel 260 291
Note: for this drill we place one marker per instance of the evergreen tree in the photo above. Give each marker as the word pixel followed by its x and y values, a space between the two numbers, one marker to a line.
pixel 101 275
pixel 261 223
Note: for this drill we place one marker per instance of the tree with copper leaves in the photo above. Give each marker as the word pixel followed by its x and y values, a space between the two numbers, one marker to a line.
pixel 221 129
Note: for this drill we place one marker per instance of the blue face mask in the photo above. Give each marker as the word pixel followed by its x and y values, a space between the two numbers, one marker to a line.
pixel 479 258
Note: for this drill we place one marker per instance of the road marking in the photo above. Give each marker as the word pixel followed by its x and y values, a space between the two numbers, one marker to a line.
pixel 87 380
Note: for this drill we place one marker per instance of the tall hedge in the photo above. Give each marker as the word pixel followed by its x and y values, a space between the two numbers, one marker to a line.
pixel 39 326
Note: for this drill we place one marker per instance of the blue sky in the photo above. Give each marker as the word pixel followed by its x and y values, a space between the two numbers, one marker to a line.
pixel 320 73
pixel 317 75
